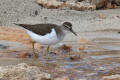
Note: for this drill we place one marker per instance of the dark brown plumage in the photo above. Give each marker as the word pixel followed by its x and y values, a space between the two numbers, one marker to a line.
pixel 42 29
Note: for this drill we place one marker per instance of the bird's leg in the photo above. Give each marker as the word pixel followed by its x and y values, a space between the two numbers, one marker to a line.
pixel 47 53
pixel 48 49
pixel 33 48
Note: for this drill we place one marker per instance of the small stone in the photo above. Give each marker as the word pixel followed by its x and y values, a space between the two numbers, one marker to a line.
pixel 84 41
pixel 50 3
pixel 36 12
pixel 5 12
pixel 22 72
pixel 118 16
pixel 82 47
pixel 112 77
pixel 73 58
pixel 52 53
pixel 3 46
pixel 45 18
pixel 66 47
pixel 38 46
pixel 101 16
pixel 23 55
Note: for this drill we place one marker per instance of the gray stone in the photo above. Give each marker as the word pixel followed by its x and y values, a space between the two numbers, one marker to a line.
pixel 117 2
pixel 22 72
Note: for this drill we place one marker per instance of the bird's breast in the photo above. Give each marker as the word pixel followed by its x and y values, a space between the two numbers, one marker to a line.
pixel 48 39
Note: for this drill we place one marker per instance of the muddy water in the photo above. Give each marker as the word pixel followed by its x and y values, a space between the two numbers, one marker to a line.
pixel 97 60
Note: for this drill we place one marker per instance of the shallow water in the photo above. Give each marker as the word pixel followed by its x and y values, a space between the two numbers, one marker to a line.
pixel 97 60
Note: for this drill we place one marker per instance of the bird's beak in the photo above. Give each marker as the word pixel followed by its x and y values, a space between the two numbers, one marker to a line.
pixel 73 32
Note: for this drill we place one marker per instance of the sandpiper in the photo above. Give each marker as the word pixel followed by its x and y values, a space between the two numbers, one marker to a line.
pixel 47 34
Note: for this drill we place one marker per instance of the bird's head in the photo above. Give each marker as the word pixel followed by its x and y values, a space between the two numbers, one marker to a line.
pixel 68 26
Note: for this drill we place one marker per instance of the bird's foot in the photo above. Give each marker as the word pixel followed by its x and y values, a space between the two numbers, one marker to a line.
pixel 36 56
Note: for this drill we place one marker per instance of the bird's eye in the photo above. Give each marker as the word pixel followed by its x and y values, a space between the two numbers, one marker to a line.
pixel 67 26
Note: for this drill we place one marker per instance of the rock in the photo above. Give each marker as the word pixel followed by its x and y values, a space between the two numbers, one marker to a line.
pixel 38 46
pixel 63 78
pixel 3 46
pixel 98 3
pixel 66 47
pixel 82 47
pixel 101 16
pixel 74 58
pixel 84 41
pixel 22 72
pixel 112 77
pixel 103 3
pixel 14 34
pixel 109 5
pixel 80 6
pixel 72 4
pixel 23 54
pixel 50 3
pixel 117 2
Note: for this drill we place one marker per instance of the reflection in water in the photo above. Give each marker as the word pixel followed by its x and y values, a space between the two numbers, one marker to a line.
pixel 91 65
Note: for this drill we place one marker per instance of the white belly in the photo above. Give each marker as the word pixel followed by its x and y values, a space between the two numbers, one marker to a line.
pixel 48 39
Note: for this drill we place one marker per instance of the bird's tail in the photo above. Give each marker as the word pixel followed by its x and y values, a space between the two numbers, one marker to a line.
pixel 22 25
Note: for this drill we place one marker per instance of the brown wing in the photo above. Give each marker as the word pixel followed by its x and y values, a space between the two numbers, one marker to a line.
pixel 41 29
